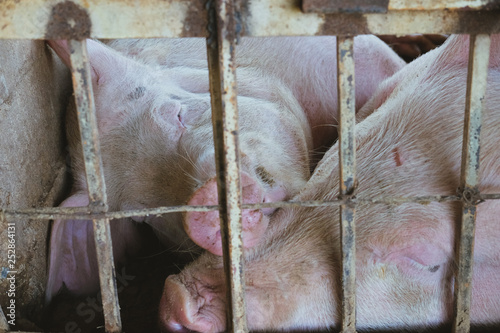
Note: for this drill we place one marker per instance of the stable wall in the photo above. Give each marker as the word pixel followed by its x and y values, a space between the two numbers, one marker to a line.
pixel 34 88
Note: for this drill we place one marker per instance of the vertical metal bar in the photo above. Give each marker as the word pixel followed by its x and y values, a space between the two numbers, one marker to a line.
pixel 221 59
pixel 479 52
pixel 82 84
pixel 347 170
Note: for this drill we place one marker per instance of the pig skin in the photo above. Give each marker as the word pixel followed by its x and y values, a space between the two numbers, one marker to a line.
pixel 411 145
pixel 153 108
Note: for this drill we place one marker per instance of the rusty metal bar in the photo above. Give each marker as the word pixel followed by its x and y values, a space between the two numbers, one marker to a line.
pixel 342 6
pixel 84 213
pixel 221 45
pixel 479 52
pixel 347 176
pixel 32 19
pixel 82 84
pixel 383 6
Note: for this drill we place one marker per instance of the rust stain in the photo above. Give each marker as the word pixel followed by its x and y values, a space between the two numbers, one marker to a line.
pixel 196 21
pixel 477 22
pixel 342 6
pixel 68 21
pixel 344 24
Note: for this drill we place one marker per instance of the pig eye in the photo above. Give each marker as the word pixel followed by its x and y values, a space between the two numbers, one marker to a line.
pixel 265 176
pixel 180 119
pixel 434 269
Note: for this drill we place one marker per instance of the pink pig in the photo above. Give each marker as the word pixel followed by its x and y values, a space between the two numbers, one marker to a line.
pixel 154 117
pixel 411 145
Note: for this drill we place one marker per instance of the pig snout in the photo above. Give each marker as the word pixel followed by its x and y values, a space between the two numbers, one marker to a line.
pixel 189 307
pixel 204 227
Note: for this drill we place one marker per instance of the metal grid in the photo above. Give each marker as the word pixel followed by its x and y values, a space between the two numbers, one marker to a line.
pixel 80 19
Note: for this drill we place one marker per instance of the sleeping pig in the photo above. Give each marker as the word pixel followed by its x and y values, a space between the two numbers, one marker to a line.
pixel 410 146
pixel 154 119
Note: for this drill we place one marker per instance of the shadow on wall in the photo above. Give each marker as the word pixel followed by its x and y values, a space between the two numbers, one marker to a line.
pixel 34 91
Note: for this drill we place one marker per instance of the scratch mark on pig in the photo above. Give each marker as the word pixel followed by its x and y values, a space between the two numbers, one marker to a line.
pixel 137 93
pixel 397 157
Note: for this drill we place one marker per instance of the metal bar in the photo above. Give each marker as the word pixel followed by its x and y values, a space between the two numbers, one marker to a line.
pixel 31 19
pixel 382 6
pixel 221 60
pixel 342 6
pixel 347 176
pixel 443 4
pixel 82 84
pixel 84 213
pixel 479 52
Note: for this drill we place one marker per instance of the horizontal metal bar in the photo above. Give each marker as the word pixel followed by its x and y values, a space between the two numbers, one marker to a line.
pixel 84 213
pixel 383 6
pixel 343 6
pixel 479 52
pixel 80 70
pixel 61 19
pixel 347 179
pixel 443 4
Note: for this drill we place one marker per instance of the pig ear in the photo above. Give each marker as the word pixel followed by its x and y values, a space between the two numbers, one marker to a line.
pixel 456 51
pixel 61 48
pixel 72 254
pixel 72 257
pixel 105 62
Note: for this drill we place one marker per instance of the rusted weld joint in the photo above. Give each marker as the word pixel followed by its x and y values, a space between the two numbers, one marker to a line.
pixel 348 200
pixel 349 196
pixel 470 196
pixel 210 6
pixel 98 207
pixel 68 21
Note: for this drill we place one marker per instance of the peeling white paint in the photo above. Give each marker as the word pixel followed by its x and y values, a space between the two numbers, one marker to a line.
pixel 436 4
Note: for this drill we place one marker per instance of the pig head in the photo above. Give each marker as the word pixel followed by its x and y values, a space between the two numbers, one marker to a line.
pixel 411 145
pixel 154 120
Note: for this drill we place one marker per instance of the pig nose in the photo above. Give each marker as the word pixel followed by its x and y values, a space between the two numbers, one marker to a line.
pixel 178 308
pixel 172 306
pixel 204 227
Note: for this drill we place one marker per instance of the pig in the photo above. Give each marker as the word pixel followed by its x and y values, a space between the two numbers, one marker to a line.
pixel 409 143
pixel 154 120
